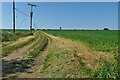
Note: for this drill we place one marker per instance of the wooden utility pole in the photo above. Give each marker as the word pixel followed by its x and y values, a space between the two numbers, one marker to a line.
pixel 31 15
pixel 14 16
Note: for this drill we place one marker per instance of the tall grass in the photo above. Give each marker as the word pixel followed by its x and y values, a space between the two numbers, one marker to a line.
pixel 8 35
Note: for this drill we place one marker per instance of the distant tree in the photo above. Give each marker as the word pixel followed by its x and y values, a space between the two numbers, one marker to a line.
pixel 33 29
pixel 39 29
pixel 74 29
pixel 96 29
pixel 105 29
pixel 43 29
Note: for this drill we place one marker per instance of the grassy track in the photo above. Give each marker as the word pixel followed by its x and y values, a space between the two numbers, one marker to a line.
pixel 10 48
pixel 16 66
pixel 38 45
pixel 39 39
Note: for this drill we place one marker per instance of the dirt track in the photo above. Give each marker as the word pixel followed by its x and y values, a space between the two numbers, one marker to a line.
pixel 35 71
pixel 21 52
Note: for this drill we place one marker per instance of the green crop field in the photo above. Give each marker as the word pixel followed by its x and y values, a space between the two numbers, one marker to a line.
pixel 98 40
pixel 105 41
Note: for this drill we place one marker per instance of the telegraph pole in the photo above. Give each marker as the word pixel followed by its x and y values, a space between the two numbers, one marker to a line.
pixel 14 16
pixel 31 15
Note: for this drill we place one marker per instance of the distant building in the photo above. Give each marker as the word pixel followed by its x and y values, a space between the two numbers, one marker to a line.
pixel 60 28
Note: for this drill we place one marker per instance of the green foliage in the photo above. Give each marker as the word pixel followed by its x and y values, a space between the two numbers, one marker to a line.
pixel 8 35
pixel 98 40
pixel 106 41
pixel 107 70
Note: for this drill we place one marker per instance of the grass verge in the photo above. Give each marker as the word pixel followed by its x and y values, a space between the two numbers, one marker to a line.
pixel 8 35
pixel 38 45
pixel 8 49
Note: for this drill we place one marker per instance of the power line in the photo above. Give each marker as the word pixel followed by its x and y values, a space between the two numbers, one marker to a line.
pixel 21 22
pixel 22 12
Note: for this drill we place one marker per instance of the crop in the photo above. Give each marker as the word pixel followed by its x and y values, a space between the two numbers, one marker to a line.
pixel 106 41
pixel 101 40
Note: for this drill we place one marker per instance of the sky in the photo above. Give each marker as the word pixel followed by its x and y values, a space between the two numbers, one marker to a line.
pixel 68 15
